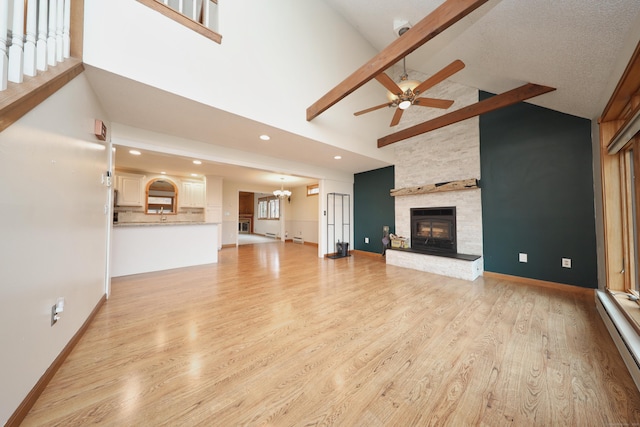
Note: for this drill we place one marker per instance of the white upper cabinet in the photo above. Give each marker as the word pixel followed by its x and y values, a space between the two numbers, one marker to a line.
pixel 193 195
pixel 130 190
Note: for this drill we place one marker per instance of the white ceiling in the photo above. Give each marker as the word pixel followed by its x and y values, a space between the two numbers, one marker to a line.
pixel 572 45
pixel 576 46
pixel 181 166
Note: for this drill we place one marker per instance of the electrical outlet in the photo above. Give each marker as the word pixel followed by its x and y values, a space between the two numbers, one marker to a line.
pixel 366 240
pixel 566 262
pixel 522 257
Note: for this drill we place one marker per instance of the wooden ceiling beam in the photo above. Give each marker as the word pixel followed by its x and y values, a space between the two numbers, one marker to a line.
pixel 447 14
pixel 496 102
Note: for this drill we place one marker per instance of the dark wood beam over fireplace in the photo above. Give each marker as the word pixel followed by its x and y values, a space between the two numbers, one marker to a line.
pixel 511 97
pixel 447 14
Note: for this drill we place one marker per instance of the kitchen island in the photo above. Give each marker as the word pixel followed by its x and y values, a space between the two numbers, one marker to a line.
pixel 144 247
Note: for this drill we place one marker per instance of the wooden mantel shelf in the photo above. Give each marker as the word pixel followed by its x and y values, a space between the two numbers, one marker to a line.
pixel 465 184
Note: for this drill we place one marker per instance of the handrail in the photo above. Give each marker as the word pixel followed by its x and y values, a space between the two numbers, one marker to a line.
pixel 199 15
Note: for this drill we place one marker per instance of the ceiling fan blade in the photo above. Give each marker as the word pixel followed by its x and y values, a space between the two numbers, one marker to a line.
pixel 396 117
pixel 441 75
pixel 368 110
pixel 387 82
pixel 434 103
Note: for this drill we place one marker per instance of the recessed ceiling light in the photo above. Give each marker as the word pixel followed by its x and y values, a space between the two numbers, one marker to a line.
pixel 197 162
pixel 135 152
pixel 265 137
pixel 337 157
pixel 194 174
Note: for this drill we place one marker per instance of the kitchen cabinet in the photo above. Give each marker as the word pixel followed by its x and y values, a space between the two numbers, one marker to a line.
pixel 130 189
pixel 193 195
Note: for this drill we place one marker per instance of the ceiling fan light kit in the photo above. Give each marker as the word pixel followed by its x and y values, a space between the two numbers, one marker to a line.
pixel 407 92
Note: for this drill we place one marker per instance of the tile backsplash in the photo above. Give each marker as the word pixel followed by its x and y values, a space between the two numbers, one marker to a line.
pixel 133 215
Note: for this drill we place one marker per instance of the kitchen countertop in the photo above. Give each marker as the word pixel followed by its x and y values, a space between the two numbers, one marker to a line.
pixel 147 224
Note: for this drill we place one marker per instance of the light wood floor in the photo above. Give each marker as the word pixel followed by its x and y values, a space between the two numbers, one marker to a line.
pixel 274 336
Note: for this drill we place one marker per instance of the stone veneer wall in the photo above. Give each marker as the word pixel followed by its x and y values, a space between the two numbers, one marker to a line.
pixel 447 154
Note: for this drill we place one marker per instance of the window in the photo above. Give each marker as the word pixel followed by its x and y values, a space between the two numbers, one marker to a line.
pixel 161 197
pixel 313 190
pixel 630 229
pixel 269 207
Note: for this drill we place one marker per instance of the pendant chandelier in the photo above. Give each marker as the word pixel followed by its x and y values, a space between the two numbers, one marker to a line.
pixel 282 193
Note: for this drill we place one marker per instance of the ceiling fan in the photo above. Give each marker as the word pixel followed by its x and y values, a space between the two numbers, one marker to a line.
pixel 407 93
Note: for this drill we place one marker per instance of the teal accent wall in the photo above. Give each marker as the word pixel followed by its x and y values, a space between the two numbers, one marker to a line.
pixel 373 208
pixel 537 194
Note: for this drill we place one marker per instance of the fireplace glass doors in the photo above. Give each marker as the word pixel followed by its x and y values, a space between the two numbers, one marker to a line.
pixel 433 229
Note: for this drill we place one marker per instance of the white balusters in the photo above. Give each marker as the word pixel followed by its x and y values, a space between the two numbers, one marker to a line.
pixel 51 36
pixel 46 40
pixel 16 54
pixel 4 30
pixel 66 37
pixel 205 12
pixel 194 10
pixel 59 27
pixel 30 39
pixel 41 44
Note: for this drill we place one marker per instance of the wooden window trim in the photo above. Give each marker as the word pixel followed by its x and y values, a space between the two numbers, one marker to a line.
pixel 616 194
pixel 182 19
pixel 175 198
pixel 311 187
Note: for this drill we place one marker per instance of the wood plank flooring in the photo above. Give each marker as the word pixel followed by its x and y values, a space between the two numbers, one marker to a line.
pixel 274 336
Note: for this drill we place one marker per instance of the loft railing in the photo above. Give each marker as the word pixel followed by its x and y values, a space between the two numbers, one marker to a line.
pixel 199 15
pixel 40 51
pixel 203 12
pixel 41 45
pixel 34 35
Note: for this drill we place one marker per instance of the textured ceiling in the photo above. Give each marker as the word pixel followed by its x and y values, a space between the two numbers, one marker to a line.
pixel 572 45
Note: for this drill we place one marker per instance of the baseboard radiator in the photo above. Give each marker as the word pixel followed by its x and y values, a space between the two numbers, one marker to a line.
pixel 623 334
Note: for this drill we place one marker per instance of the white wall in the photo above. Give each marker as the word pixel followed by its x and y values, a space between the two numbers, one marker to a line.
pixel 54 233
pixel 302 215
pixel 301 49
pixel 230 210
pixel 213 209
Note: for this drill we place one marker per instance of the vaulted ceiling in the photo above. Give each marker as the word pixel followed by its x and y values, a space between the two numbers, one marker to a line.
pixel 579 47
pixel 572 45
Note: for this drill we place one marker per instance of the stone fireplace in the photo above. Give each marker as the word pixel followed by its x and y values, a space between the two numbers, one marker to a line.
pixel 448 154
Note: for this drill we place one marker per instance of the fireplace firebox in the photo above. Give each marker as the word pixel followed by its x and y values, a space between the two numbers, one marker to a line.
pixel 433 230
